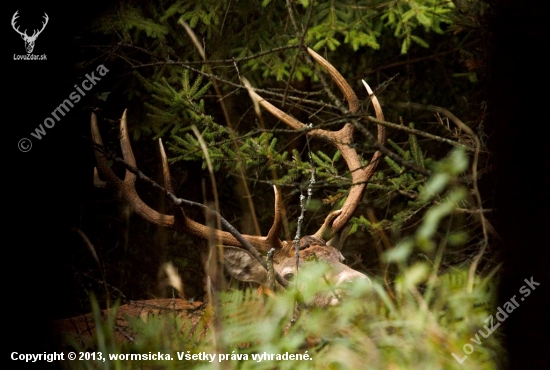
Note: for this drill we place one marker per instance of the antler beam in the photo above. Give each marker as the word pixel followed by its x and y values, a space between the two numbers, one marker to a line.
pixel 342 140
pixel 126 189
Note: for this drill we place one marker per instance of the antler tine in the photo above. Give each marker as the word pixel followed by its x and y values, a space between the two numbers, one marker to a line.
pixel 165 169
pixel 126 148
pixel 373 164
pixel 359 175
pixel 101 160
pixel 13 19
pixel 353 101
pixel 127 191
pixel 377 111
pixel 98 183
pixel 36 33
pixel 126 188
pixel 258 242
pixel 277 219
pixel 342 140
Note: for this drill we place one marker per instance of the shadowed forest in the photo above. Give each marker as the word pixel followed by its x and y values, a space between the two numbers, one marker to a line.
pixel 440 200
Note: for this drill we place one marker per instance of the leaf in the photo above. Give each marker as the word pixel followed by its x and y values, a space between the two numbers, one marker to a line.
pixel 419 41
pixel 433 217
pixel 435 185
pixel 405 45
pixel 400 253
pixel 416 274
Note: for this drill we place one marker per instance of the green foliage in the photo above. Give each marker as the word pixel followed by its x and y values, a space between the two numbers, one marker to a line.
pixel 405 16
pixel 419 320
pixel 399 181
pixel 419 324
pixel 333 25
pixel 359 23
pixel 177 96
pixel 170 80
pixel 446 172
pixel 421 311
pixel 182 106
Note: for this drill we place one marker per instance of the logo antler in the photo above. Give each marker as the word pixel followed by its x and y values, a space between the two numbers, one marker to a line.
pixel 29 40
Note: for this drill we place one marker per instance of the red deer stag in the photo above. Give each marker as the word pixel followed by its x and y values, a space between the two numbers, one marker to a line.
pixel 247 264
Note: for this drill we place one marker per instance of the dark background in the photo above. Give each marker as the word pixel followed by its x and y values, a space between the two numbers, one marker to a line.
pixel 45 184
pixel 522 172
pixel 43 187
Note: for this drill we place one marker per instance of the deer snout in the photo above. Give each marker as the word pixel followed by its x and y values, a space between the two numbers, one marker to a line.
pixel 350 276
pixel 344 283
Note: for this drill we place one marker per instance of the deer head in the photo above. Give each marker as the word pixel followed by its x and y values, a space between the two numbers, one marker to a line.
pixel 29 40
pixel 241 252
pixel 246 264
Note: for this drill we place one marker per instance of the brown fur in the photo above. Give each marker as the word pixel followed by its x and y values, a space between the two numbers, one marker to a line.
pixel 81 330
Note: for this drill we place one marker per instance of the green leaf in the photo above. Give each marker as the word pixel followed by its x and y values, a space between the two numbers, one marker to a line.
pixel 433 217
pixel 419 41
pixel 435 185
pixel 400 253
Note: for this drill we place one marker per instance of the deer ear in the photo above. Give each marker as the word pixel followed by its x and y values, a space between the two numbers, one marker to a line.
pixel 243 266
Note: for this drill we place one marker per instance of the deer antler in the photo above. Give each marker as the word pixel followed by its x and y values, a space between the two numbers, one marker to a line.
pixel 38 32
pixel 342 140
pixel 35 33
pixel 16 29
pixel 126 189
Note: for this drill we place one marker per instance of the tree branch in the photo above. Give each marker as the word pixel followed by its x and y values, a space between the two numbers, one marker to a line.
pixel 180 202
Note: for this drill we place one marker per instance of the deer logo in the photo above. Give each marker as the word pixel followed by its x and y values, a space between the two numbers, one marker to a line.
pixel 29 40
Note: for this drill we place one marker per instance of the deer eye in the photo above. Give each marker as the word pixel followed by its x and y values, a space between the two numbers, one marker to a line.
pixel 289 276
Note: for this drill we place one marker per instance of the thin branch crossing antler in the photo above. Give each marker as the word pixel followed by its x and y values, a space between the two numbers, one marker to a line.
pixel 342 140
pixel 126 189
